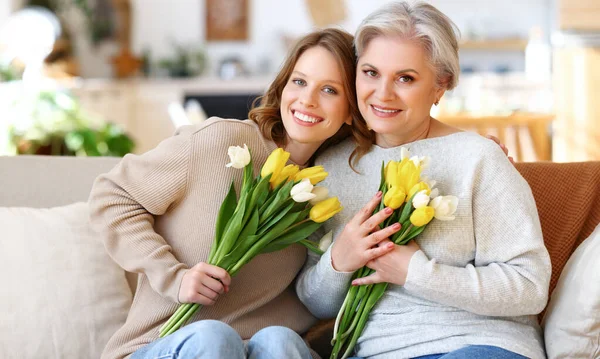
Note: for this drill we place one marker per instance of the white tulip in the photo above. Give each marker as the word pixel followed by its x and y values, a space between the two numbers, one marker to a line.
pixel 404 153
pixel 445 207
pixel 325 241
pixel 421 199
pixel 301 192
pixel 431 183
pixel 434 193
pixel 238 156
pixel 420 162
pixel 320 193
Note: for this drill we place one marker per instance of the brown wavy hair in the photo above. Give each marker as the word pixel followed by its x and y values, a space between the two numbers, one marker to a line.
pixel 266 109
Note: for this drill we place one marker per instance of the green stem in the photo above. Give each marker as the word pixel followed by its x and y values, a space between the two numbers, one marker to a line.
pixel 182 308
pixel 193 309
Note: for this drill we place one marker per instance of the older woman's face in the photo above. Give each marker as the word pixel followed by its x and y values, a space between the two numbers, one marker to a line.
pixel 396 87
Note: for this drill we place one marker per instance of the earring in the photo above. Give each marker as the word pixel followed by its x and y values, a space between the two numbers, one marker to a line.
pixel 437 102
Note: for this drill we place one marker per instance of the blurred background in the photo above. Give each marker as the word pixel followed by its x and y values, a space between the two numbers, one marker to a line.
pixel 108 77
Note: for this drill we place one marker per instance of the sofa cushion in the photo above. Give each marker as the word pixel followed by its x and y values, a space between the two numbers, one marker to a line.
pixel 58 285
pixel 572 320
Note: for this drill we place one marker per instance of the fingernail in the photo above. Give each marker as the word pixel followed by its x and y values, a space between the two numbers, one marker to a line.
pixel 396 226
pixel 378 194
pixel 390 245
pixel 354 283
pixel 388 210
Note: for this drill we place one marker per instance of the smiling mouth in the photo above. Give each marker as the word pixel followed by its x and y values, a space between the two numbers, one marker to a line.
pixel 387 111
pixel 306 118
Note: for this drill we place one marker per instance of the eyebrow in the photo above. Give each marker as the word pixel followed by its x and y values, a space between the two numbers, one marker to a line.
pixel 328 80
pixel 397 72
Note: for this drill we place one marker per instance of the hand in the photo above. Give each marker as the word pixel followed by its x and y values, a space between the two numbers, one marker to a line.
pixel 356 245
pixel 203 283
pixel 391 267
pixel 502 146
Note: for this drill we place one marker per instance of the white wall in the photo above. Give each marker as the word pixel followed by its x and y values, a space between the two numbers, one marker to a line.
pixel 156 22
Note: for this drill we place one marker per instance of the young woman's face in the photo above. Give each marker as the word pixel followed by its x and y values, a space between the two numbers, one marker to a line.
pixel 395 86
pixel 313 103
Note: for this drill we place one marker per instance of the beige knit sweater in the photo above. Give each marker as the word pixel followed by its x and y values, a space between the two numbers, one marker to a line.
pixel 157 212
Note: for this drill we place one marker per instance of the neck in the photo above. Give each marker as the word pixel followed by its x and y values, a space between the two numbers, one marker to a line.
pixel 399 139
pixel 300 153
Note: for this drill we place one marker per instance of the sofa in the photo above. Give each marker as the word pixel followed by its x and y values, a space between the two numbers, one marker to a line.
pixel 63 297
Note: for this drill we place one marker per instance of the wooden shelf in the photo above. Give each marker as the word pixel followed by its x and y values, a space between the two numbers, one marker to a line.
pixel 509 44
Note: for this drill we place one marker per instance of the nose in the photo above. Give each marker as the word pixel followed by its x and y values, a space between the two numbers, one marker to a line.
pixel 385 91
pixel 308 98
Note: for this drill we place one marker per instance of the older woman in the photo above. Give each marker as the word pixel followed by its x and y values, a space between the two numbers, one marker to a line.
pixel 470 288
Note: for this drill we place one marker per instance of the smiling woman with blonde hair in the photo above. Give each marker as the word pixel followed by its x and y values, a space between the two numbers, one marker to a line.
pixel 470 288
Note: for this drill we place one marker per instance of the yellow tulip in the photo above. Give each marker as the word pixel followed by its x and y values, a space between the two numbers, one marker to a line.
pixel 391 174
pixel 274 164
pixel 418 188
pixel 422 216
pixel 326 209
pixel 315 174
pixel 409 174
pixel 394 197
pixel 288 172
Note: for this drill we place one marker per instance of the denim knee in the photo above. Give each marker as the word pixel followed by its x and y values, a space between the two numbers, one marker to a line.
pixel 277 342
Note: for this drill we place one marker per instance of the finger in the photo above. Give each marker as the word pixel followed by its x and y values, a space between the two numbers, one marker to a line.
pixel 213 284
pixel 371 279
pixel 368 209
pixel 385 241
pixel 208 292
pixel 512 160
pixel 370 224
pixel 217 273
pixel 201 299
pixel 377 252
pixel 382 234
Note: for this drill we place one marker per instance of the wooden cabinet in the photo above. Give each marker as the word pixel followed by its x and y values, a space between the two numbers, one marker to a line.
pixel 581 15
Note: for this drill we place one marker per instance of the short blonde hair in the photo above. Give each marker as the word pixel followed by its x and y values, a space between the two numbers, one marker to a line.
pixel 418 21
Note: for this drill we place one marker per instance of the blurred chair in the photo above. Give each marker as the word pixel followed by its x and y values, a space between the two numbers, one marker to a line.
pixel 514 130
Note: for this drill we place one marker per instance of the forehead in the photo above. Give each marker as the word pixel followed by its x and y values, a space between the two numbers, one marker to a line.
pixel 319 63
pixel 395 52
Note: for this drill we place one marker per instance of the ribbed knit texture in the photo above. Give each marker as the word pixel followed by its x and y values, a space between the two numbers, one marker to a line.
pixel 157 212
pixel 479 279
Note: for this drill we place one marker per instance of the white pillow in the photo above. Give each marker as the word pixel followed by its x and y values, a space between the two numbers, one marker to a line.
pixel 61 296
pixel 572 319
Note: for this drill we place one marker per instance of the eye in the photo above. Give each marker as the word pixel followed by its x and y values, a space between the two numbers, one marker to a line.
pixel 330 90
pixel 299 82
pixel 405 79
pixel 370 73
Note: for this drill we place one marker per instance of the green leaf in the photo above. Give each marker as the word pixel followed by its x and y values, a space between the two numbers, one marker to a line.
pixel 407 210
pixel 382 181
pixel 268 224
pixel 413 233
pixel 303 231
pixel 250 227
pixel 282 195
pixel 225 213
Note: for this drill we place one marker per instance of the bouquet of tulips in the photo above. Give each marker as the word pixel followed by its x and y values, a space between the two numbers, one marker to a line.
pixel 415 204
pixel 275 209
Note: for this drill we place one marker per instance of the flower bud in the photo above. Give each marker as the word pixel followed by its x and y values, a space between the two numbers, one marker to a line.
pixel 274 164
pixel 422 216
pixel 238 156
pixel 394 197
pixel 324 210
pixel 315 174
pixel 445 207
pixel 320 193
pixel 301 192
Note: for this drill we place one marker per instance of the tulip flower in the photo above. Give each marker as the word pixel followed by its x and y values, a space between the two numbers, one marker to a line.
pixel 301 192
pixel 274 164
pixel 421 199
pixel 421 186
pixel 326 241
pixel 445 207
pixel 288 172
pixel 238 156
pixel 324 210
pixel 422 216
pixel 320 193
pixel 391 174
pixel 315 174
pixel 394 197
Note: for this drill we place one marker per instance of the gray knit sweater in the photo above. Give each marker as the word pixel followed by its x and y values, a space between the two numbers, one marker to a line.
pixel 478 280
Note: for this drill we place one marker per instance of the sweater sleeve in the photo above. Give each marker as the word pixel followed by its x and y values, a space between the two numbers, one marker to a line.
pixel 123 204
pixel 319 286
pixel 510 273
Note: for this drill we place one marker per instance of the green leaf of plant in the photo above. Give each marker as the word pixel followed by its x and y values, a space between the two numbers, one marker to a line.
pixel 299 233
pixel 277 216
pixel 225 214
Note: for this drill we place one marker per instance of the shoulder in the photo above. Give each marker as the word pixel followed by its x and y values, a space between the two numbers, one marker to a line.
pixel 217 124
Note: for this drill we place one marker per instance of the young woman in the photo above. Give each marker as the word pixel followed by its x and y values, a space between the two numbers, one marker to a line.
pixel 469 288
pixel 157 212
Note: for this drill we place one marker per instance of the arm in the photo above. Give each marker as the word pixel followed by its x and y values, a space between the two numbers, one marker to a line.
pixel 123 204
pixel 511 270
pixel 323 283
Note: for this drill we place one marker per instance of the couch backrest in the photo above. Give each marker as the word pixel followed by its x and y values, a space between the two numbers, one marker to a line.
pixel 568 201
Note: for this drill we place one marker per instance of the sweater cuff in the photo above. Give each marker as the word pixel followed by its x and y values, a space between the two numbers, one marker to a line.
pixel 327 274
pixel 173 290
pixel 420 269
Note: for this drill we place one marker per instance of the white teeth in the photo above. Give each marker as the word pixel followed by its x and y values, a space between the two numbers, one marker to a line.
pixel 384 111
pixel 305 118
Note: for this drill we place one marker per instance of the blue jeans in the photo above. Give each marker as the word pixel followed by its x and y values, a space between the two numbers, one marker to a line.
pixel 473 352
pixel 215 339
pixel 476 352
